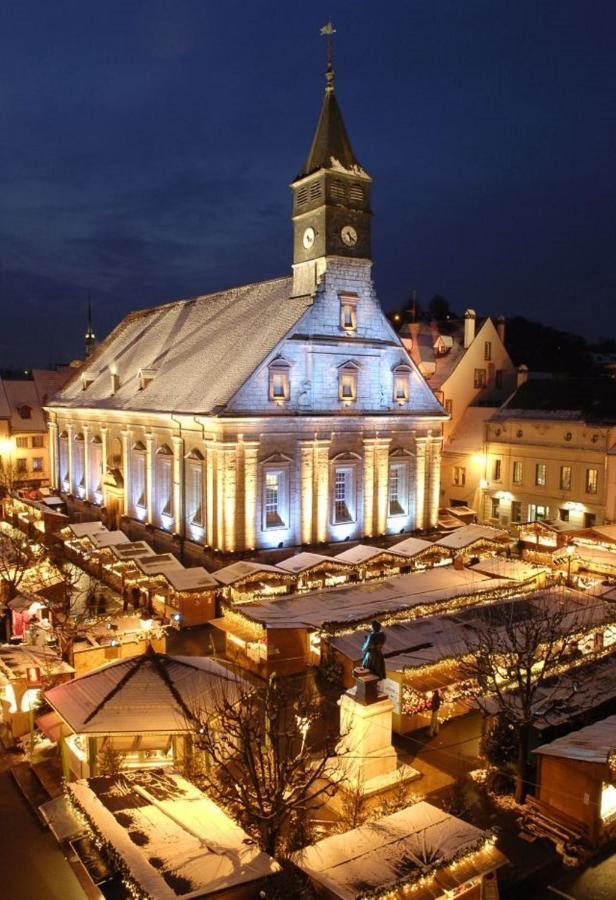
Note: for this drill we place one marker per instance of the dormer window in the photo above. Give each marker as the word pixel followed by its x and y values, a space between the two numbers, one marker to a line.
pixel 145 377
pixel 402 375
pixel 86 381
pixel 347 382
pixel 279 384
pixel 115 383
pixel 25 411
pixel 348 312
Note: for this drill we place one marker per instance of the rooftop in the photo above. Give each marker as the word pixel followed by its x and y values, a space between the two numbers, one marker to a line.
pixel 594 744
pixel 589 399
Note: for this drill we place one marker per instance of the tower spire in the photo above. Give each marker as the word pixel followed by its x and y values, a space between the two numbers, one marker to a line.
pixel 90 337
pixel 328 31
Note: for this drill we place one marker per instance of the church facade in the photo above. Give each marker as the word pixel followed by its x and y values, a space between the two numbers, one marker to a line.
pixel 281 413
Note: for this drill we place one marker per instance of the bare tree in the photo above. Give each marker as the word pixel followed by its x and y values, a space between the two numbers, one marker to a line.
pixel 514 654
pixel 18 555
pixel 7 474
pixel 267 758
pixel 71 600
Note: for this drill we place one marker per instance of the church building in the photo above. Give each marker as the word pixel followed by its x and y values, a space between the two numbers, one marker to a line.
pixel 281 413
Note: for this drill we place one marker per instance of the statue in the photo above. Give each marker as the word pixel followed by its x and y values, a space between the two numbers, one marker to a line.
pixel 372 650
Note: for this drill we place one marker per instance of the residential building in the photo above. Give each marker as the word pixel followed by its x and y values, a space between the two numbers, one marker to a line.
pixel 282 413
pixel 550 453
pixel 24 443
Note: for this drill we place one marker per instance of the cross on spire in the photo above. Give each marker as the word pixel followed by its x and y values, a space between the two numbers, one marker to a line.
pixel 328 31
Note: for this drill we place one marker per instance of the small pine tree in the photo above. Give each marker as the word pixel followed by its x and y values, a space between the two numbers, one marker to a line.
pixel 499 744
pixel 109 760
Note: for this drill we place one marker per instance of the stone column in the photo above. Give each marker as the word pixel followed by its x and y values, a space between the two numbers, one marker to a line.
pixel 420 482
pixel 178 485
pixel 382 483
pixel 126 469
pixel 54 475
pixel 227 485
pixel 306 498
pixel 69 453
pixel 321 473
pixel 251 449
pixel 86 462
pixel 149 477
pixel 369 477
pixel 436 444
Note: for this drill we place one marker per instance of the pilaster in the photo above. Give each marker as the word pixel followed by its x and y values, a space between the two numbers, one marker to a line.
pixel 369 468
pixel 69 451
pixel 53 455
pixel 178 485
pixel 251 449
pixel 321 472
pixel 86 463
pixel 306 480
pixel 104 432
pixel 382 483
pixel 226 500
pixel 420 482
pixel 436 444
pixel 210 500
pixel 149 477
pixel 125 434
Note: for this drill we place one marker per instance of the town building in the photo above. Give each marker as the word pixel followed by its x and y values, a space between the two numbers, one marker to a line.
pixel 550 453
pixel 466 363
pixel 24 443
pixel 282 413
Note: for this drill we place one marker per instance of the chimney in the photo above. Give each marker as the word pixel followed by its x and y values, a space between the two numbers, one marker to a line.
pixel 115 383
pixel 522 375
pixel 469 327
pixel 500 327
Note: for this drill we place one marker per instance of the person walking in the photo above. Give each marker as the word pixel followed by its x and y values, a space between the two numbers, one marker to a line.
pixel 435 705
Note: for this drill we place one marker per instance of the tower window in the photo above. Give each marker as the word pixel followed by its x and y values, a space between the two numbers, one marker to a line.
pixel 401 384
pixel 302 195
pixel 315 190
pixel 279 387
pixel 337 190
pixel 356 193
pixel 347 382
pixel 348 313
pixel 487 351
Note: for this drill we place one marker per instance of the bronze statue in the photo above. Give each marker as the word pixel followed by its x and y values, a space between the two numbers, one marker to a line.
pixel 372 650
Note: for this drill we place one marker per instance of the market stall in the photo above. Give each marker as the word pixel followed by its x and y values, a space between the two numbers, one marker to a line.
pixel 245 580
pixel 313 570
pixel 475 541
pixel 375 562
pixel 120 637
pixel 24 672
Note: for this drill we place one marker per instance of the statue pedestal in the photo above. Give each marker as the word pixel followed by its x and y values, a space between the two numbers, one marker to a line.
pixel 366 755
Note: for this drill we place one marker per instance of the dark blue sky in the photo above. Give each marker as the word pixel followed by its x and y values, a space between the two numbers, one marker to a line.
pixel 146 148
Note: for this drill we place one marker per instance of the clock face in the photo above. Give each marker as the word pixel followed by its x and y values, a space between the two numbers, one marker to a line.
pixel 349 236
pixel 308 238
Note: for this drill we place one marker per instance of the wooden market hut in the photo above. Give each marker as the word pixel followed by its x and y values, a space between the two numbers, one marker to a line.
pixel 375 562
pixel 24 671
pixel 472 541
pixel 313 570
pixel 544 542
pixel 419 851
pixel 119 559
pixel 41 518
pixel 576 780
pixel 184 597
pixel 245 580
pixel 422 554
pixel 144 707
pixel 116 638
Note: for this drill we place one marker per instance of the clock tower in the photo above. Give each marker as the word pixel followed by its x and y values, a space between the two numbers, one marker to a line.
pixel 331 196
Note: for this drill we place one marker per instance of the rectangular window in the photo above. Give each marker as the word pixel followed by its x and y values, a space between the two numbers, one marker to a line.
pixel 401 387
pixel 343 500
pixel 565 478
pixel 397 491
pixel 279 383
pixel 139 477
pixel 590 520
pixel 497 470
pixel 38 441
pixel 487 351
pixel 165 488
pixel 563 515
pixel 517 472
pixel 459 476
pixel 37 464
pixel 348 314
pixel 516 511
pixel 495 507
pixel 592 480
pixel 540 474
pixel 21 443
pixel 272 500
pixel 347 386
pixel 537 512
pixel 196 495
pixel 480 378
pixel 22 465
pixel 498 379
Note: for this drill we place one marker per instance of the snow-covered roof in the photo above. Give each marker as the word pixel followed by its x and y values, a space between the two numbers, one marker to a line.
pixel 302 562
pixel 600 555
pixel 606 532
pixel 390 851
pixel 158 563
pixel 86 529
pixel 190 848
pixel 363 553
pixel 501 567
pixel 16 659
pixel 20 394
pixel 195 578
pixel 361 602
pixel 203 350
pixel 150 693
pixel 470 534
pixel 591 744
pixel 243 569
pixel 102 539
pixel 411 546
pixel 132 550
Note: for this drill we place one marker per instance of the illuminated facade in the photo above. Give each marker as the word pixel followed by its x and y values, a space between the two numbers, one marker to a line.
pixel 281 413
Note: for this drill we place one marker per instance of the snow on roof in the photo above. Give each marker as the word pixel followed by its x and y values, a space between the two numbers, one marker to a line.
pixel 132 550
pixel 364 553
pixel 596 554
pixel 411 546
pixel 390 850
pixel 86 529
pixel 198 848
pixel 16 659
pixel 102 539
pixel 591 744
pixel 575 693
pixel 501 567
pixel 361 602
pixel 608 532
pixel 468 435
pixel 150 693
pixel 301 562
pixel 20 394
pixel 49 381
pixel 242 569
pixel 193 579
pixel 413 638
pixel 158 563
pixel 470 534
pixel 203 350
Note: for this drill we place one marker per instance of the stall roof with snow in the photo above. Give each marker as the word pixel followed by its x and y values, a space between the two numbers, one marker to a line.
pixel 85 529
pixel 471 534
pixel 242 569
pixel 187 847
pixel 364 553
pixel 102 539
pixel 515 569
pixel 414 846
pixel 144 694
pixel 411 546
pixel 304 562
pixel 15 660
pixel 594 744
pixel 132 550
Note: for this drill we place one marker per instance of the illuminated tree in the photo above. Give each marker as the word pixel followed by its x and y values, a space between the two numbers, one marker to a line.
pixel 263 760
pixel 514 654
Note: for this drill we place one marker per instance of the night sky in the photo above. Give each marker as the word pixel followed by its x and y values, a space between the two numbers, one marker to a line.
pixel 146 149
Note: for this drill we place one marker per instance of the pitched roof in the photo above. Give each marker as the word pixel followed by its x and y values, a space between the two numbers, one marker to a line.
pixel 470 534
pixel 150 693
pixel 202 351
pixel 589 399
pixel 591 744
pixel 331 147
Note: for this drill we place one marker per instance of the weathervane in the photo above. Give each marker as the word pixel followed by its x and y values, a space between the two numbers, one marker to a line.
pixel 329 31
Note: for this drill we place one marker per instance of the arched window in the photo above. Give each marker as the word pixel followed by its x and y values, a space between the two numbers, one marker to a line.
pixel 279 386
pixel 139 493
pixel 194 489
pixel 401 384
pixel 96 468
pixel 63 459
pixel 164 484
pixel 79 471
